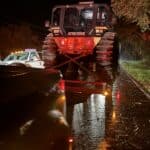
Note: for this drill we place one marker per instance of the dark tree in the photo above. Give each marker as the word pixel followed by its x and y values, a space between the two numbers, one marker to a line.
pixel 133 24
pixel 135 11
pixel 16 37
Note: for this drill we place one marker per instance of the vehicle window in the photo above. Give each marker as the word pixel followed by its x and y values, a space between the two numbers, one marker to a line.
pixel 87 14
pixel 86 18
pixel 71 20
pixel 56 17
pixel 10 58
pixel 34 56
pixel 102 16
pixel 23 56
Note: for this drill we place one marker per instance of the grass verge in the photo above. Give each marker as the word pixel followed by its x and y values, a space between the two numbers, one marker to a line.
pixel 139 71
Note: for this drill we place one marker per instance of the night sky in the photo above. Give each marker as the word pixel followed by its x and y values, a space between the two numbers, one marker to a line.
pixel 32 11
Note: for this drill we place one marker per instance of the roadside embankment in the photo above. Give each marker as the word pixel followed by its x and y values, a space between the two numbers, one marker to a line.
pixel 139 72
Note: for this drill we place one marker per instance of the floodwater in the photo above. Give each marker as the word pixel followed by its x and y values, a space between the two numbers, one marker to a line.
pixel 31 117
pixel 119 123
pixel 116 120
pixel 34 123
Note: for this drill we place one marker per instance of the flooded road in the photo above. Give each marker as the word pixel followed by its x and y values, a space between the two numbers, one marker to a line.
pixel 120 123
pixel 104 112
pixel 31 118
pixel 35 125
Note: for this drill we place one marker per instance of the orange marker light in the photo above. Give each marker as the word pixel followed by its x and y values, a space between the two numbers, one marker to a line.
pixel 105 93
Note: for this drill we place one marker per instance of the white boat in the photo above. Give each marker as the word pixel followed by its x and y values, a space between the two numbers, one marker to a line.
pixel 28 58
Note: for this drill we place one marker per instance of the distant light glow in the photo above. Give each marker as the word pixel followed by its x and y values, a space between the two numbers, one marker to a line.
pixel 70 140
pixel 114 115
pixel 61 85
pixel 118 95
pixel 61 99
pixel 106 93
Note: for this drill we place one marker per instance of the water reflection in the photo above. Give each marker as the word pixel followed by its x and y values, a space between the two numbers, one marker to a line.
pixel 88 122
pixel 90 109
pixel 104 145
pixel 92 122
pixel 121 122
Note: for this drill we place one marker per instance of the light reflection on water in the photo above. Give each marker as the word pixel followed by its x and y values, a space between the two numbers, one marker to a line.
pixel 88 112
pixel 88 122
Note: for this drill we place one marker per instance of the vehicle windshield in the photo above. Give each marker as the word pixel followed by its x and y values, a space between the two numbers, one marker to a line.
pixel 17 56
pixel 78 20
pixel 75 19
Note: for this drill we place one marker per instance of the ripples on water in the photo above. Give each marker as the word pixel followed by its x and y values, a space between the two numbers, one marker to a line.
pixel 89 112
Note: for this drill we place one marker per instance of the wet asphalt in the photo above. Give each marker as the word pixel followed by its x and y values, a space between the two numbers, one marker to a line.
pixel 121 122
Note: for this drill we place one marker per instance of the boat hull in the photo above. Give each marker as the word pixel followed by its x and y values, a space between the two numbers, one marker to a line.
pixel 16 81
